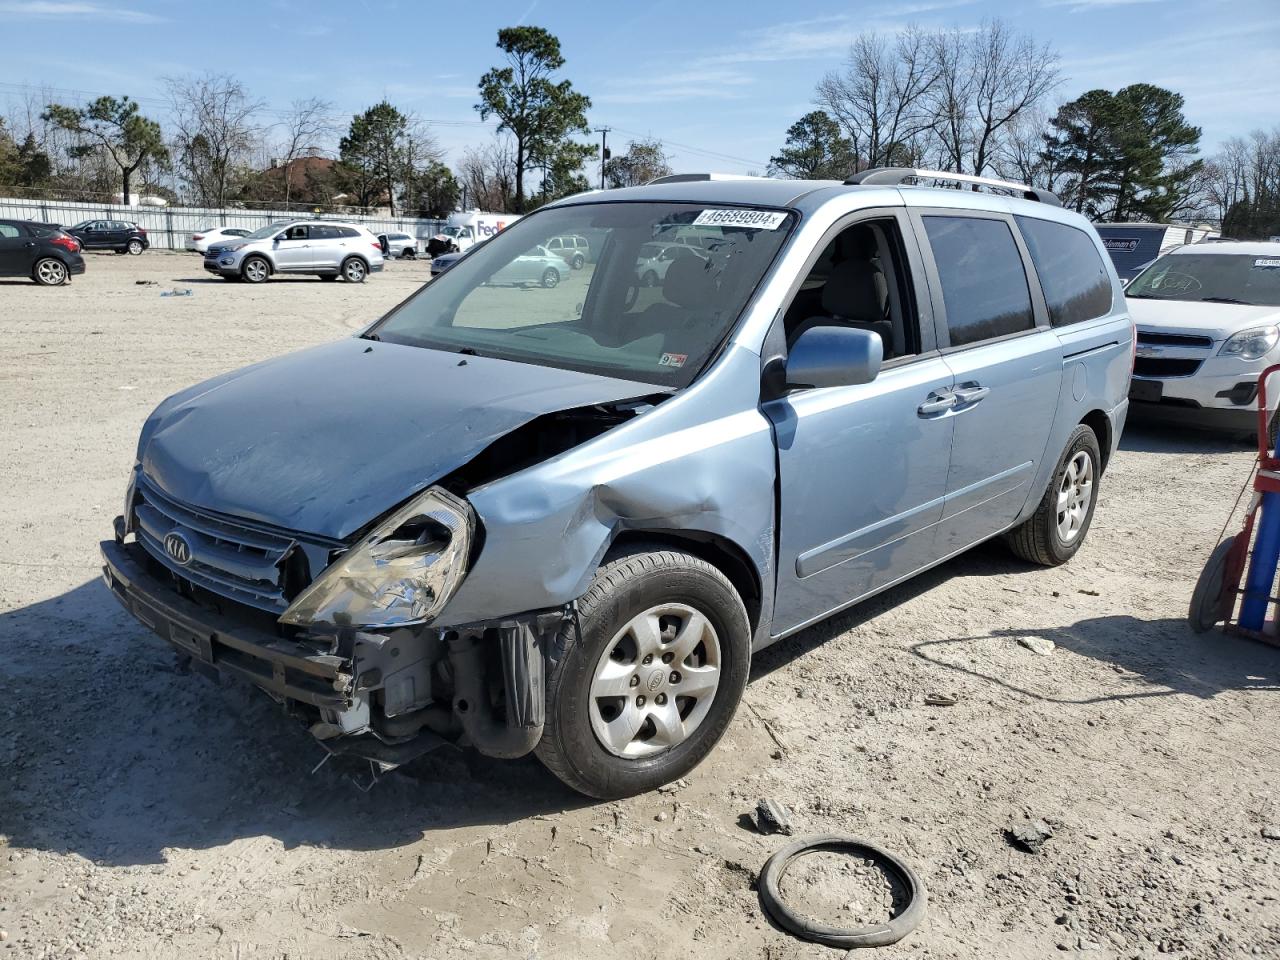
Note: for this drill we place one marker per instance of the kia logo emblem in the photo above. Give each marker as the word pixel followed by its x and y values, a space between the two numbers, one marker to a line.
pixel 177 548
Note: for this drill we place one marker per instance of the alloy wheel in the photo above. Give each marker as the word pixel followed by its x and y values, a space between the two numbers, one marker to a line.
pixel 655 682
pixel 1075 496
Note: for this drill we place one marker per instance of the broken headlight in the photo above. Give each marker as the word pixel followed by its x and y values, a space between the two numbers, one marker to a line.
pixel 401 574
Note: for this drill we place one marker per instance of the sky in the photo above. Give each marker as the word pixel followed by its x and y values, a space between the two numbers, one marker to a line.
pixel 717 82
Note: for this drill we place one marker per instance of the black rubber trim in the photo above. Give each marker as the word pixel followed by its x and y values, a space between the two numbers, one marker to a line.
pixel 880 935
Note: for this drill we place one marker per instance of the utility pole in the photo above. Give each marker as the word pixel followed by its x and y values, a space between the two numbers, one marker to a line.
pixel 604 150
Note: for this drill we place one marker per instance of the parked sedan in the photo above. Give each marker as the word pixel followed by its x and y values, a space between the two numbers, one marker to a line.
pixel 201 240
pixel 654 259
pixel 122 236
pixel 36 250
pixel 537 265
pixel 443 262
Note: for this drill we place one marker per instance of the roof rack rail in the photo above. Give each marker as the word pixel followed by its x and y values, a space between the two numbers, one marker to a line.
pixel 894 176
pixel 701 177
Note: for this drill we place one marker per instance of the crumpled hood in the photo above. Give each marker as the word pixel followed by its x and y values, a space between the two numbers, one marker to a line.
pixel 324 440
pixel 1216 320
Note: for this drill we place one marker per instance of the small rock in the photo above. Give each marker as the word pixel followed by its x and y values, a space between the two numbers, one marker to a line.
pixel 1271 833
pixel 776 755
pixel 661 817
pixel 771 817
pixel 1029 836
pixel 1041 645
pixel 674 786
pixel 4 935
pixel 1084 944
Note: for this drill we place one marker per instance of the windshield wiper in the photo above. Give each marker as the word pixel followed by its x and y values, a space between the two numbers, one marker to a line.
pixel 1143 296
pixel 1243 303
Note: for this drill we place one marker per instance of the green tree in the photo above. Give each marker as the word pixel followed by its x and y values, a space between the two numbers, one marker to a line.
pixel 562 173
pixel 1128 155
pixel 1156 147
pixel 115 127
pixel 1081 144
pixel 815 150
pixel 432 192
pixel 528 102
pixel 374 153
pixel 643 161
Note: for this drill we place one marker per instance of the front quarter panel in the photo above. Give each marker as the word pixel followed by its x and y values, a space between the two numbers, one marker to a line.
pixel 702 462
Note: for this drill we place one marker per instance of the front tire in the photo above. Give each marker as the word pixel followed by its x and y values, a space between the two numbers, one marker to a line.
pixel 1053 534
pixel 550 277
pixel 354 270
pixel 649 687
pixel 255 270
pixel 49 272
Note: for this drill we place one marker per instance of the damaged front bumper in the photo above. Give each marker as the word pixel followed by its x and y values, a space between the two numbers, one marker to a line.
pixel 384 696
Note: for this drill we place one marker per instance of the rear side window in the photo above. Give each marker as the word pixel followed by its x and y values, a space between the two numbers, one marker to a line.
pixel 984 287
pixel 348 232
pixel 1072 276
pixel 324 233
pixel 9 231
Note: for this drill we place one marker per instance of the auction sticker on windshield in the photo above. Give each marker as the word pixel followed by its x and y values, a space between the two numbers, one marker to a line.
pixel 751 219
pixel 1269 262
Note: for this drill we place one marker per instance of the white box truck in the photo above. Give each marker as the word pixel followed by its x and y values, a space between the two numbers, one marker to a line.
pixel 464 230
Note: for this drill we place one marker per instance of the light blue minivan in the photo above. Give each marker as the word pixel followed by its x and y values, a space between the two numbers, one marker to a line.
pixel 562 519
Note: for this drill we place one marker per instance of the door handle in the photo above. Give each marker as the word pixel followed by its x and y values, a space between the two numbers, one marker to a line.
pixel 937 403
pixel 971 393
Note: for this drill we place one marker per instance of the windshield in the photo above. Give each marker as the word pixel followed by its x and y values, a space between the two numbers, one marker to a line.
pixel 1212 277
pixel 507 298
pixel 263 232
pixel 457 231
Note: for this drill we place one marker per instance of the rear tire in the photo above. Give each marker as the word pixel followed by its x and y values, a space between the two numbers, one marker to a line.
pixel 579 261
pixel 50 272
pixel 135 247
pixel 1052 535
pixel 683 696
pixel 650 279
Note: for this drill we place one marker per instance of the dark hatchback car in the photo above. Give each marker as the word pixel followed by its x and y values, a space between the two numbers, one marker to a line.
pixel 122 236
pixel 37 250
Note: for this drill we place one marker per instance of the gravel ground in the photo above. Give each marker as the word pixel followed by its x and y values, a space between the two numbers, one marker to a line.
pixel 149 814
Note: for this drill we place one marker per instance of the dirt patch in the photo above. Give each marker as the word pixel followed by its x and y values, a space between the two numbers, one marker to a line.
pixel 145 813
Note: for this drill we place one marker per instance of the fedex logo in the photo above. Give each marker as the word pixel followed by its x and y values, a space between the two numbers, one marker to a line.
pixel 487 231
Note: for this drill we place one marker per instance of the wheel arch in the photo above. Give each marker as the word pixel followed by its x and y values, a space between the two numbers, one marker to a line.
pixel 719 551
pixel 1100 424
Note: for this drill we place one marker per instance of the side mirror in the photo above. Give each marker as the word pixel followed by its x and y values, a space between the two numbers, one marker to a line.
pixel 834 356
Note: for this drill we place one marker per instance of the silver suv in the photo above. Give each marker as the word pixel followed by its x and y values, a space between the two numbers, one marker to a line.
pixel 322 248
pixel 566 522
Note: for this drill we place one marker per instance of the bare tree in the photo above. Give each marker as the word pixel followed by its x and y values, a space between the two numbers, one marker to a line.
pixel 305 126
pixel 880 98
pixel 488 176
pixel 1011 75
pixel 216 132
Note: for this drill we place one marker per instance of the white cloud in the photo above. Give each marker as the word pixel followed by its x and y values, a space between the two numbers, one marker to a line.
pixel 57 10
pixel 1082 6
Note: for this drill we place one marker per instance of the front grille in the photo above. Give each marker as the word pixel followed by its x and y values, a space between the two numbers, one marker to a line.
pixel 1173 339
pixel 251 565
pixel 1165 367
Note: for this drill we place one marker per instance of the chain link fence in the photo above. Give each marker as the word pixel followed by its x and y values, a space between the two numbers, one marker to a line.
pixel 169 227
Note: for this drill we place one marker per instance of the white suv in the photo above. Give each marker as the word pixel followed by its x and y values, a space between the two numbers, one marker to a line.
pixel 323 248
pixel 1208 322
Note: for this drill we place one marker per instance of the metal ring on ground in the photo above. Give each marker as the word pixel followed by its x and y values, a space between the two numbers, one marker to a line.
pixel 879 935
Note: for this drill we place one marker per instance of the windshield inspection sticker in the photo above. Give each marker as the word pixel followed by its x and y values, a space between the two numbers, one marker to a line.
pixel 672 359
pixel 1272 262
pixel 751 219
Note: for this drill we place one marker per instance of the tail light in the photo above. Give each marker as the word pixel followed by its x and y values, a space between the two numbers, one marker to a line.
pixel 70 244
pixel 377 246
pixel 197 236
pixel 140 230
